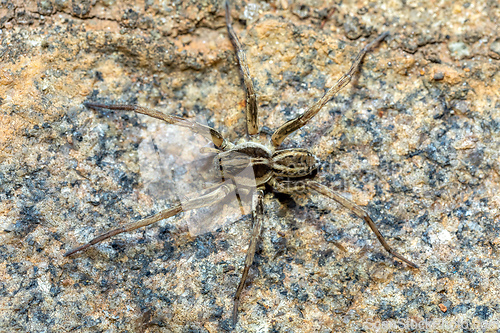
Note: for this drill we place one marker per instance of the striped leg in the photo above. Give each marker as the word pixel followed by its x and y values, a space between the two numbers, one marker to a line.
pixel 258 217
pixel 203 201
pixel 209 133
pixel 251 115
pixel 292 125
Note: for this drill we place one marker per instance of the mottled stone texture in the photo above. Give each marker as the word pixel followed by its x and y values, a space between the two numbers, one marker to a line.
pixel 415 139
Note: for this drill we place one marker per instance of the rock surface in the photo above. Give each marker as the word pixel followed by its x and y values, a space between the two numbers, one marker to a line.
pixel 414 139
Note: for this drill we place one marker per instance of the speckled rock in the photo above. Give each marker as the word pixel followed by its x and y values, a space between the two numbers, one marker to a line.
pixel 414 139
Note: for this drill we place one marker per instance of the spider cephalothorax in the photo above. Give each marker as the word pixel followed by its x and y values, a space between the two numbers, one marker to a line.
pixel 284 170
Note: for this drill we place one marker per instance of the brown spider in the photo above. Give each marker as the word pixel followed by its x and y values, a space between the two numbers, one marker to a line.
pixel 284 170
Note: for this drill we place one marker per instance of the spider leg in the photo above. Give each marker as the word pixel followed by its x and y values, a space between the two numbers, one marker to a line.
pixel 208 132
pixel 205 200
pixel 292 125
pixel 301 186
pixel 258 217
pixel 251 98
pixel 321 189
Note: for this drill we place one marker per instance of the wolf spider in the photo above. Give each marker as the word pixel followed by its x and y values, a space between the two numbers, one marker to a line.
pixel 283 170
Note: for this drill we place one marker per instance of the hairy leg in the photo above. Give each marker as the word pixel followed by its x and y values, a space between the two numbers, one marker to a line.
pixel 205 200
pixel 251 114
pixel 208 132
pixel 258 217
pixel 292 125
pixel 322 189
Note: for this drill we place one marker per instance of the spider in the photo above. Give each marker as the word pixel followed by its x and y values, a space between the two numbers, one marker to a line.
pixel 283 170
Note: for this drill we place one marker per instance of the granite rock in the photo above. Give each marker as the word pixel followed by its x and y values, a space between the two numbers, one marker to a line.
pixel 414 139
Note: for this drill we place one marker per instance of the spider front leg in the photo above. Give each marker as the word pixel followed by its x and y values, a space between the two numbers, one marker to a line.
pixel 251 98
pixel 258 217
pixel 209 199
pixel 292 125
pixel 207 132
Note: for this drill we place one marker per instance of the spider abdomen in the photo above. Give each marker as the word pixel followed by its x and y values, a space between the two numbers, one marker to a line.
pixel 294 163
